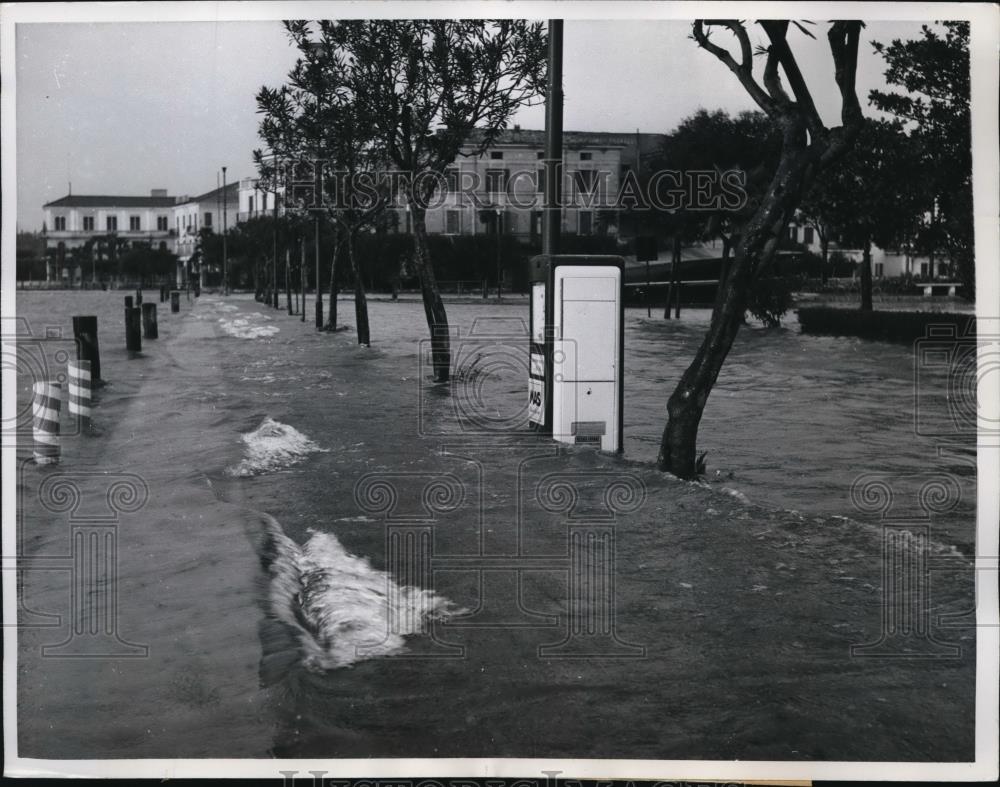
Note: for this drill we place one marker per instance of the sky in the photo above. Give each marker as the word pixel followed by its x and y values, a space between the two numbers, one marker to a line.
pixel 123 108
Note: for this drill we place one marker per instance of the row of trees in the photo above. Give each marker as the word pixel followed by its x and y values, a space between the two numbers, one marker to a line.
pixel 368 95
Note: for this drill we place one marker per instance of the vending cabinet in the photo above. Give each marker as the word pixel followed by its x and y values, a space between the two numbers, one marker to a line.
pixel 575 381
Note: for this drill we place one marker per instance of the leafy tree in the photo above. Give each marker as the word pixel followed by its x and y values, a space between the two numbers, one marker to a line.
pixel 875 194
pixel 807 148
pixel 934 72
pixel 422 86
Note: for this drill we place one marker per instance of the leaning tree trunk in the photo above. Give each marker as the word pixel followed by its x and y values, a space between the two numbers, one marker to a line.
pixel 331 317
pixel 437 318
pixel 360 299
pixel 754 254
pixel 866 275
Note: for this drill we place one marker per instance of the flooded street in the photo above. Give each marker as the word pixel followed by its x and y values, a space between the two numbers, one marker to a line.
pixel 320 452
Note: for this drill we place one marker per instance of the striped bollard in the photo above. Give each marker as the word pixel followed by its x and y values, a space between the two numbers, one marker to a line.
pixel 79 393
pixel 45 406
pixel 133 331
pixel 149 326
pixel 175 301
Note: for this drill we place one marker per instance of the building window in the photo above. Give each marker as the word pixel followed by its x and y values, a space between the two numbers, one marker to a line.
pixel 88 223
pixel 923 268
pixel 451 180
pixel 793 234
pixel 250 204
pixel 133 223
pixel 540 154
pixel 163 245
pixel 586 156
pixel 208 219
pixel 807 235
pixel 496 155
pixel 111 223
pixel 586 180
pixel 60 223
pixel 161 223
pixel 540 181
pixel 536 223
pixel 586 222
pixel 453 222
pixel 496 181
pixel 878 270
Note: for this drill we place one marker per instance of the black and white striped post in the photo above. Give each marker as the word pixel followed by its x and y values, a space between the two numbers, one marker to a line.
pixel 79 393
pixel 46 404
pixel 133 331
pixel 149 326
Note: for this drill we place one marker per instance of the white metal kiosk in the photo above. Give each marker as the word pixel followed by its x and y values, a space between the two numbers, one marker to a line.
pixel 575 381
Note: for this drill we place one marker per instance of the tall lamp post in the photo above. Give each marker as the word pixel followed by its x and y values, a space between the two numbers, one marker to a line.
pixel 317 48
pixel 552 217
pixel 225 255
pixel 499 238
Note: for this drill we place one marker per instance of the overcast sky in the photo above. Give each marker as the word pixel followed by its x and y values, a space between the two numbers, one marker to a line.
pixel 127 107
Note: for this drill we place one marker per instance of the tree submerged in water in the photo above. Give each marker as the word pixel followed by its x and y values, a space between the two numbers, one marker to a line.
pixel 808 148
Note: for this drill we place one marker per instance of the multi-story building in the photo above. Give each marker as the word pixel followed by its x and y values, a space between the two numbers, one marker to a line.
pixel 76 220
pixel 502 188
pixel 207 211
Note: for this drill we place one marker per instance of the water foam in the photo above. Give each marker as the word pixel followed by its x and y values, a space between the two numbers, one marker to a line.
pixel 342 609
pixel 272 446
pixel 247 327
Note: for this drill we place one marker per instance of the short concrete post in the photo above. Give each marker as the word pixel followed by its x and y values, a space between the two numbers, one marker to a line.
pixel 175 301
pixel 133 331
pixel 149 327
pixel 87 348
pixel 129 301
pixel 45 405
pixel 79 393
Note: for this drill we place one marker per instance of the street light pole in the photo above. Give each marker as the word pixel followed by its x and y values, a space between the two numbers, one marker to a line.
pixel 553 141
pixel 225 256
pixel 499 237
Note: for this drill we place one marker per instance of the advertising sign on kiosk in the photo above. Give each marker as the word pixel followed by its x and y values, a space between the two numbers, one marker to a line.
pixel 575 381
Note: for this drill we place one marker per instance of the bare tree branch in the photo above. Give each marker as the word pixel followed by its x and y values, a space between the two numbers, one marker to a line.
pixel 744 69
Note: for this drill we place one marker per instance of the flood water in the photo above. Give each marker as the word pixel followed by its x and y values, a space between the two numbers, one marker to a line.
pixel 792 421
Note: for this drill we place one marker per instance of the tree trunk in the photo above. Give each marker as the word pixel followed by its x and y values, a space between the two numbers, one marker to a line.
pixel 754 254
pixel 303 272
pixel 824 245
pixel 360 299
pixel 437 318
pixel 866 275
pixel 331 318
pixel 288 278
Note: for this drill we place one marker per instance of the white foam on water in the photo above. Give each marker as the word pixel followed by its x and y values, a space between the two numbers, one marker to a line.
pixel 344 610
pixel 273 446
pixel 246 327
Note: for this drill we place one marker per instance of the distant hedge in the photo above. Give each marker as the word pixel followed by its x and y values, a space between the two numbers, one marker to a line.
pixel 890 326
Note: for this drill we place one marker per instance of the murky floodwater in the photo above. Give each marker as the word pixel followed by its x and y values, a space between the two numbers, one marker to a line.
pixel 792 422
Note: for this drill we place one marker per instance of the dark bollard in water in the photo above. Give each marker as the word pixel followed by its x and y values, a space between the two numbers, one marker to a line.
pixel 133 331
pixel 149 327
pixel 87 348
pixel 175 301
